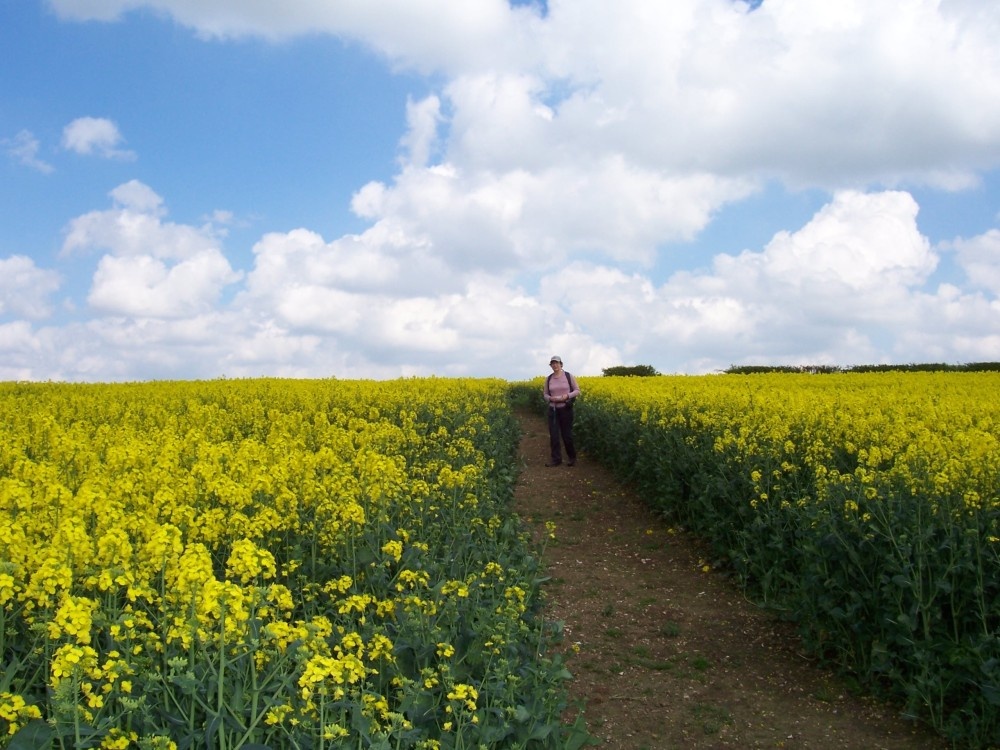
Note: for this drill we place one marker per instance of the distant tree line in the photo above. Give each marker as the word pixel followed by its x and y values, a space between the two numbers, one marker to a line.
pixel 827 369
pixel 640 371
pixel 645 371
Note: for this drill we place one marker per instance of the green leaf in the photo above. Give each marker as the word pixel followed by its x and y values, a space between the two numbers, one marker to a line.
pixel 34 735
pixel 540 732
pixel 578 736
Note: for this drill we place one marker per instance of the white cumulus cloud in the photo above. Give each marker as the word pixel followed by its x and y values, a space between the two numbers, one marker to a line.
pixel 25 289
pixel 153 268
pixel 135 226
pixel 96 136
pixel 145 286
pixel 979 257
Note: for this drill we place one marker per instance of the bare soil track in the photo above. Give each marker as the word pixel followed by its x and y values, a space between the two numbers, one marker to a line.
pixel 665 652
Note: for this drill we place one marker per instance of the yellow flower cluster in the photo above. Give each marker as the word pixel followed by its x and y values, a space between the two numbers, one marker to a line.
pixel 15 712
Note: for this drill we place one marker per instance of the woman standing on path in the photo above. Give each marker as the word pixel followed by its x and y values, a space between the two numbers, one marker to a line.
pixel 559 391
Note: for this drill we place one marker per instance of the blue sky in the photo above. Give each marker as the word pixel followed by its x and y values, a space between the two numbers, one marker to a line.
pixel 465 187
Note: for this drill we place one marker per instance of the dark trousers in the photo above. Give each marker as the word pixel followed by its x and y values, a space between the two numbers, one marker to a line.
pixel 561 425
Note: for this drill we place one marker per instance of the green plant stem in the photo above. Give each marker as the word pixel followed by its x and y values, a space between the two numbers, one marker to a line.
pixel 220 681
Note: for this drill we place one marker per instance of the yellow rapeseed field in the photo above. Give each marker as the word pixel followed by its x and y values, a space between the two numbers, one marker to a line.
pixel 267 562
